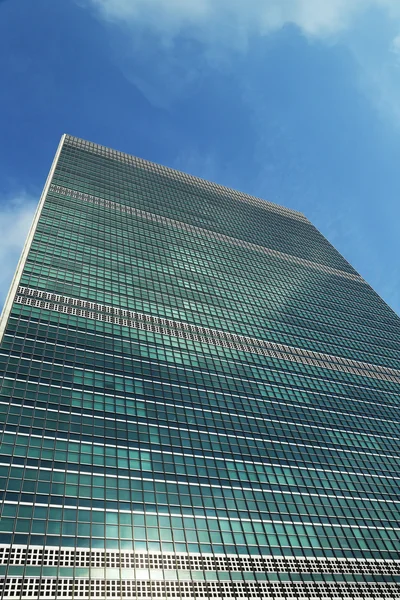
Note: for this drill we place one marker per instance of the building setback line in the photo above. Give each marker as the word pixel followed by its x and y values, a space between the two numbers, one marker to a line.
pixel 201 231
pixel 119 316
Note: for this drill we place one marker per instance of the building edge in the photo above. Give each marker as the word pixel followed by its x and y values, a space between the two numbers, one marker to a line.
pixel 25 250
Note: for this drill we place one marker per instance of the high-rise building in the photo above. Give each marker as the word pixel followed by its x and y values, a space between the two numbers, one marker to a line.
pixel 200 398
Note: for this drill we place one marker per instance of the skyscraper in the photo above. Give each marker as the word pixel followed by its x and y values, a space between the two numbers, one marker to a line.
pixel 200 398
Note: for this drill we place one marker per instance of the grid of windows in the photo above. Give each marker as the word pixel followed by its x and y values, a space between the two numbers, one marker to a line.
pixel 199 398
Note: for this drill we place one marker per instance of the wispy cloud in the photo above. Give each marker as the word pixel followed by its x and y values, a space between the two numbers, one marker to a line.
pixel 314 17
pixel 395 46
pixel 16 214
pixel 225 26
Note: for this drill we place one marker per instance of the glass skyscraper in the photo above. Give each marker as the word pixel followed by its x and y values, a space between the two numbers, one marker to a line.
pixel 199 398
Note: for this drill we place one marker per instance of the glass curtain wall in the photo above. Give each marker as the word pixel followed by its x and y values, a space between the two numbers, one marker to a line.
pixel 199 398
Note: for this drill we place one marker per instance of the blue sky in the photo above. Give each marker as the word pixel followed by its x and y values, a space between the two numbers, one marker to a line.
pixel 296 101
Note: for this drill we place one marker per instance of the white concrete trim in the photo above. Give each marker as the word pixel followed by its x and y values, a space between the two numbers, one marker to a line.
pixel 22 260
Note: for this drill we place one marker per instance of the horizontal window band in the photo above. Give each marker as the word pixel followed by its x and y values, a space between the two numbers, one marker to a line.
pixel 194 487
pixel 148 445
pixel 287 402
pixel 202 232
pixel 251 420
pixel 182 177
pixel 205 409
pixel 183 512
pixel 298 375
pixel 336 434
pixel 118 316
pixel 188 479
pixel 204 456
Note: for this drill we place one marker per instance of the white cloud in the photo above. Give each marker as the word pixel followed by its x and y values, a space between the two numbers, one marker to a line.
pixel 16 214
pixel 212 19
pixel 220 27
pixel 395 45
pixel 178 9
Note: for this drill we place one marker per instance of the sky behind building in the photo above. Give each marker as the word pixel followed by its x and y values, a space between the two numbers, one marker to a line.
pixel 296 101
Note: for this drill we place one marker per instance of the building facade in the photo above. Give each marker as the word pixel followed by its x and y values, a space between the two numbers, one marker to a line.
pixel 200 398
